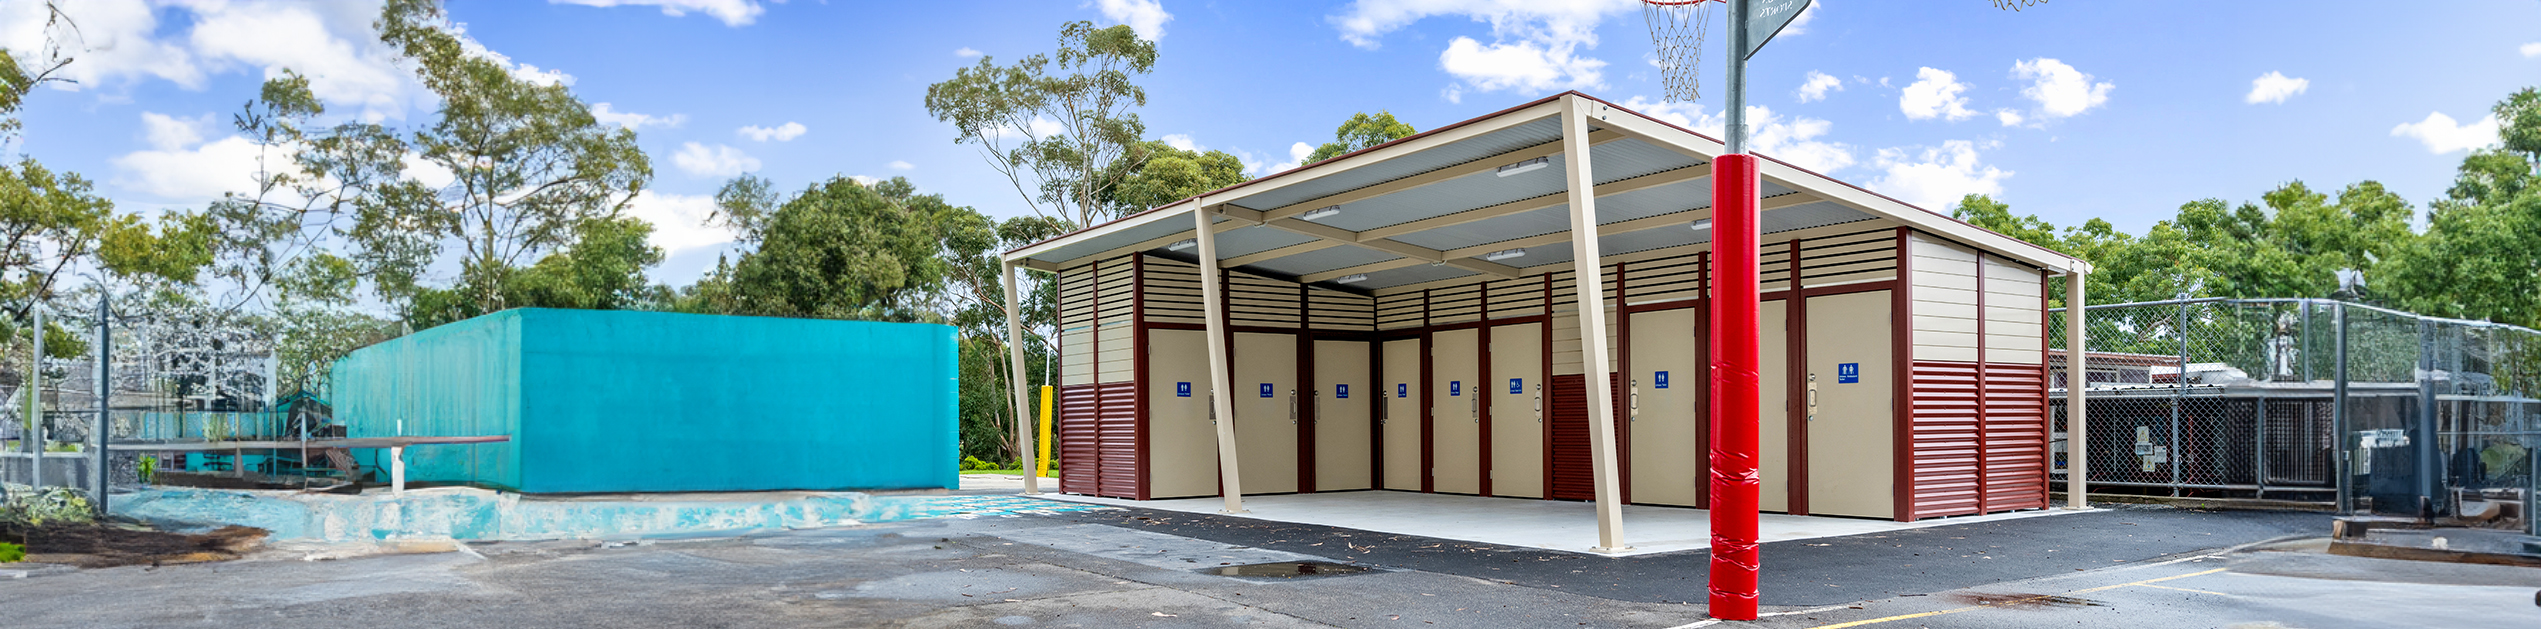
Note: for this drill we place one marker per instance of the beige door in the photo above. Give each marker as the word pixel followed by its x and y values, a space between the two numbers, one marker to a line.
pixel 1341 416
pixel 1403 392
pixel 1517 410
pixel 1774 403
pixel 1852 422
pixel 1266 412
pixel 1182 439
pixel 1455 418
pixel 1667 424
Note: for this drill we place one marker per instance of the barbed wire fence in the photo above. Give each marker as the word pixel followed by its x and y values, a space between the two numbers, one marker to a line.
pixel 2373 410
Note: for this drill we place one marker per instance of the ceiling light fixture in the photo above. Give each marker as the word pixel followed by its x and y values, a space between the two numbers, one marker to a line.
pixel 1346 279
pixel 1185 244
pixel 1526 166
pixel 1496 256
pixel 1320 212
pixel 1701 224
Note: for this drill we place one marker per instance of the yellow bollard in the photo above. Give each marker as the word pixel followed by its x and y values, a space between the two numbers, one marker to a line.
pixel 1044 460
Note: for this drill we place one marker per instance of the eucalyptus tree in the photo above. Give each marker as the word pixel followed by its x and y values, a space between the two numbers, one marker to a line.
pixel 1054 124
pixel 1360 132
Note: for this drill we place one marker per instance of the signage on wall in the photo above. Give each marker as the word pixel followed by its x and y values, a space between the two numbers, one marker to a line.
pixel 1341 391
pixel 1402 390
pixel 1663 380
pixel 1517 386
pixel 1455 388
pixel 1848 373
pixel 1182 389
pixel 1266 389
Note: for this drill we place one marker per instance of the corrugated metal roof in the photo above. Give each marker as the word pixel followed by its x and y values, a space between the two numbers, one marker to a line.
pixel 1179 224
pixel 1321 260
pixel 1256 239
pixel 1483 146
pixel 1390 278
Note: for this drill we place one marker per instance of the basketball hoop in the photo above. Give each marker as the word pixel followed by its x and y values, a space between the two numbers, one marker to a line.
pixel 1676 32
pixel 2015 5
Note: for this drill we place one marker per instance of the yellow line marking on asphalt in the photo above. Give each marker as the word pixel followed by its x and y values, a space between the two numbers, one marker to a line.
pixel 2165 587
pixel 2016 601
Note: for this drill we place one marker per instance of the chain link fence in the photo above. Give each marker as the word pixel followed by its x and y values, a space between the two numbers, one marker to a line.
pixel 2374 410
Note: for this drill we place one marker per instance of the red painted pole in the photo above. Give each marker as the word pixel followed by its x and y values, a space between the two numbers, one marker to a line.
pixel 1734 387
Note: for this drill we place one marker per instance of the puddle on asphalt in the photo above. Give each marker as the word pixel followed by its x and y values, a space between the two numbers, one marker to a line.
pixel 2025 601
pixel 1287 570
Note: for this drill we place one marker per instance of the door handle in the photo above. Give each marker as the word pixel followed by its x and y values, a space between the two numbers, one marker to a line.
pixel 1633 399
pixel 1813 397
pixel 1539 402
pixel 1292 406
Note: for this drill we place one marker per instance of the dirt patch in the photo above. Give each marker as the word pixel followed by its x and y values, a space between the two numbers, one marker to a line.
pixel 100 546
pixel 2024 601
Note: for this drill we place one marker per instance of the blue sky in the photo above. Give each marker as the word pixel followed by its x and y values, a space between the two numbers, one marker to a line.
pixel 2070 110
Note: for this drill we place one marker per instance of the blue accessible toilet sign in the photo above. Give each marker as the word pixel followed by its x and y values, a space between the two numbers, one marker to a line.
pixel 1517 386
pixel 1455 388
pixel 1402 390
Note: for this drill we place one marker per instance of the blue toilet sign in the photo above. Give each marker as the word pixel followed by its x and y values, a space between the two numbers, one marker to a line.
pixel 1266 389
pixel 1402 390
pixel 1517 386
pixel 1848 373
pixel 1341 391
pixel 1663 379
pixel 1182 389
pixel 1455 388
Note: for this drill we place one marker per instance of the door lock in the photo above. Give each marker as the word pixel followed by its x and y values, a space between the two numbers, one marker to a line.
pixel 1813 397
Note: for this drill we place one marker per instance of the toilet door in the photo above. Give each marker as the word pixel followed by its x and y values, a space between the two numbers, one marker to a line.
pixel 1341 404
pixel 1517 410
pixel 1403 391
pixel 1455 412
pixel 1266 412
pixel 1773 423
pixel 1664 402
pixel 1852 413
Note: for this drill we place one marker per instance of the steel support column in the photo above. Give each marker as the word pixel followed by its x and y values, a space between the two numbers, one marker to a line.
pixel 1221 384
pixel 1590 279
pixel 2077 380
pixel 1022 397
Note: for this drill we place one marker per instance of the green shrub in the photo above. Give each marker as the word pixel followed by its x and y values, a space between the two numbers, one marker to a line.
pixel 37 507
pixel 149 468
pixel 12 553
pixel 972 463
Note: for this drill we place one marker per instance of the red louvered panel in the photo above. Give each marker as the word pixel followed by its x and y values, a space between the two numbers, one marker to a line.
pixel 1961 465
pixel 1121 467
pixel 1573 467
pixel 1077 428
pixel 2015 438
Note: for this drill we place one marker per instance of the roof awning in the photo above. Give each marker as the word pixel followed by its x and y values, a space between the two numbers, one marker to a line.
pixel 1487 197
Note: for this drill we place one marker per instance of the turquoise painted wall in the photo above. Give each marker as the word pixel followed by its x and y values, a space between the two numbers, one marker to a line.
pixel 617 401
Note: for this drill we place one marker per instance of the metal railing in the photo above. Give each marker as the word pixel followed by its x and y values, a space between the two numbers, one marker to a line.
pixel 2371 409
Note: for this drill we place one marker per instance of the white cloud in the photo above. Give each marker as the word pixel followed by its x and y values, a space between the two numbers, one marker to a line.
pixel 1818 83
pixel 1934 94
pixel 865 179
pixel 1935 178
pixel 2275 87
pixel 2008 117
pixel 330 43
pixel 1181 141
pixel 1148 17
pixel 167 132
pixel 902 165
pixel 608 114
pixel 2530 50
pixel 1797 23
pixel 732 12
pixel 967 51
pixel 113 43
pixel 781 133
pixel 1254 165
pixel 1536 45
pixel 2060 90
pixel 679 220
pixel 1041 128
pixel 1791 139
pixel 2442 135
pixel 716 161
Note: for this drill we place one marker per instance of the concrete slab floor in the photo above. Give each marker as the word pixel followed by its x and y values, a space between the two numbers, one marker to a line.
pixel 1530 523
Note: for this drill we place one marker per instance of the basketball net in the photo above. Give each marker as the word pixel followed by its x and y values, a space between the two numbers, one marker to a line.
pixel 1676 31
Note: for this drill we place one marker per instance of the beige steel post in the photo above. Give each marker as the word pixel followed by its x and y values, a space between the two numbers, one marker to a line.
pixel 1221 385
pixel 1014 348
pixel 1590 280
pixel 2077 378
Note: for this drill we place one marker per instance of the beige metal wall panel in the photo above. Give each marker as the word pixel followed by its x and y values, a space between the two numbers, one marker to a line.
pixel 1676 278
pixel 1944 290
pixel 1852 431
pixel 1850 258
pixel 1517 410
pixel 1462 304
pixel 1455 418
pixel 1522 297
pixel 1266 411
pixel 1076 357
pixel 1173 292
pixel 1567 357
pixel 1773 407
pixel 1342 441
pixel 1668 461
pixel 1118 359
pixel 1328 309
pixel 1076 325
pixel 1118 299
pixel 1403 391
pixel 2014 323
pixel 1182 446
pixel 1399 311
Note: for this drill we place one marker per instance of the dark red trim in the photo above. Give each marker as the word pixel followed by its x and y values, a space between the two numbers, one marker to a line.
pixel 1377 415
pixel 1428 402
pixel 1309 391
pixel 1484 387
pixel 1703 394
pixel 1632 387
pixel 1138 369
pixel 1795 372
pixel 1901 347
pixel 1544 389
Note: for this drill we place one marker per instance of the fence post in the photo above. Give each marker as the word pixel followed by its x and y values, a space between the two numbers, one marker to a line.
pixel 2426 450
pixel 35 398
pixel 2178 396
pixel 2338 409
pixel 103 352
